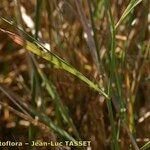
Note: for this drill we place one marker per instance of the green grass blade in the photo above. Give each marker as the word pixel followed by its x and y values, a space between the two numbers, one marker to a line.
pixel 17 101
pixel 35 83
pixel 146 146
pixel 50 87
pixel 37 17
pixel 130 7
pixel 39 50
pixel 52 125
pixel 61 64
pixel 113 75
pixel 51 57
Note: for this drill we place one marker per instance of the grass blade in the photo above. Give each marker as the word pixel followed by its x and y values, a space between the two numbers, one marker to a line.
pixel 146 146
pixel 61 64
pixel 130 7
pixel 39 50
pixel 91 42
pixel 42 117
pixel 37 17
pixel 51 89
pixel 35 83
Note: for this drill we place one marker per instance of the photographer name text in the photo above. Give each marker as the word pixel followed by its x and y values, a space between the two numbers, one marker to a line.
pixel 45 143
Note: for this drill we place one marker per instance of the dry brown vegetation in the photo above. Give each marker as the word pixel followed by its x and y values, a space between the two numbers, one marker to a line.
pixel 42 102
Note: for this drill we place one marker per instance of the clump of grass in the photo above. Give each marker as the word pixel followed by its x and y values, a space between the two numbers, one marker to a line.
pixel 116 81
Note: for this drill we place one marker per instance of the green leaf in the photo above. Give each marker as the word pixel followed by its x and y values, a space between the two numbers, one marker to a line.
pixel 146 146
pixel 39 50
pixel 130 7
pixel 61 64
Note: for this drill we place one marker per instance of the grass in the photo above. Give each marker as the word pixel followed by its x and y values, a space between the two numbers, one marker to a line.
pixel 117 65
